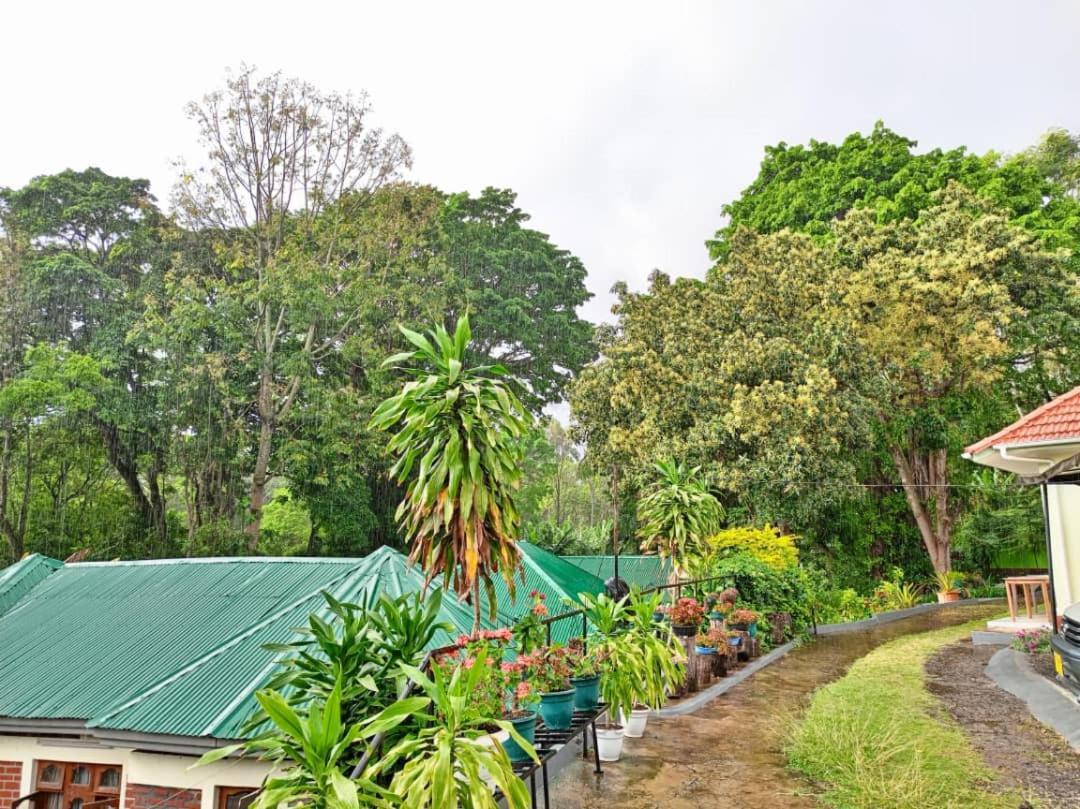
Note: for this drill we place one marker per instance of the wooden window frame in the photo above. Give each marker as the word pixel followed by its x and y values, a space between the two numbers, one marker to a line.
pixel 224 793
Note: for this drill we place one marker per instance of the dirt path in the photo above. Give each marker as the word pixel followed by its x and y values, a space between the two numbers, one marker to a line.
pixel 1025 753
pixel 730 753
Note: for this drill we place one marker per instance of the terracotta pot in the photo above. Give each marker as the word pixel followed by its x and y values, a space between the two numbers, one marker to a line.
pixel 948 596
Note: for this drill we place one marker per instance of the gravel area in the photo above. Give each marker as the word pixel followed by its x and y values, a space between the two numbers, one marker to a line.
pixel 1000 727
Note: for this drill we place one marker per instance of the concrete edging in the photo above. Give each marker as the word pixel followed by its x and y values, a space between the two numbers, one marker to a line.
pixel 895 615
pixel 691 704
pixel 1048 702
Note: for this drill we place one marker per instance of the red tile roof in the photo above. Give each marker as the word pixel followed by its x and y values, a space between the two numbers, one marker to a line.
pixel 1057 419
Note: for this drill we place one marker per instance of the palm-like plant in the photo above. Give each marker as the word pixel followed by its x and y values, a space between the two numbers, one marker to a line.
pixel 456 446
pixel 447 764
pixel 677 512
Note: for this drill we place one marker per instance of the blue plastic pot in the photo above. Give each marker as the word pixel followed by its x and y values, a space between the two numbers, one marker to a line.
pixel 586 692
pixel 705 650
pixel 557 709
pixel 716 616
pixel 735 641
pixel 526 726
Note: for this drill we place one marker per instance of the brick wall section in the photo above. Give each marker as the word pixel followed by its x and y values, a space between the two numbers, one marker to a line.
pixel 10 781
pixel 143 796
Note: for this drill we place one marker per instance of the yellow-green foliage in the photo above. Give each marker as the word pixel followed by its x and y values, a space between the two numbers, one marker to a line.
pixel 768 545
pixel 877 738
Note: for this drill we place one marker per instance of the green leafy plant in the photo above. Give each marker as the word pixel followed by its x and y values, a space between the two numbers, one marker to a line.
pixel 677 512
pixel 948 581
pixel 892 595
pixel 361 649
pixel 447 765
pixel 530 632
pixel 311 749
pixel 457 450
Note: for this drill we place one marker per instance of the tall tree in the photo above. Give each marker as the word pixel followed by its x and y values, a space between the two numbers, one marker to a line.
pixel 92 247
pixel 521 290
pixel 287 168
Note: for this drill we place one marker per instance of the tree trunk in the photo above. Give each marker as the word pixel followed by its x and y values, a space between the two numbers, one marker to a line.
pixel 259 474
pixel 925 477
pixel 476 606
pixel 151 513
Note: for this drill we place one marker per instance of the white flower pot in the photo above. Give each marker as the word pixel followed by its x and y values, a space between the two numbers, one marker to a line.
pixel 609 743
pixel 635 725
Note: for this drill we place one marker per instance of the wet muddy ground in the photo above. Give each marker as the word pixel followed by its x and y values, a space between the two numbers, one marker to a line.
pixel 730 750
pixel 1025 754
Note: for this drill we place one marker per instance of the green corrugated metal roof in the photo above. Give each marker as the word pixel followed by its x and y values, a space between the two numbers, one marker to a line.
pixel 175 647
pixel 22 577
pixel 640 571
pixel 551 575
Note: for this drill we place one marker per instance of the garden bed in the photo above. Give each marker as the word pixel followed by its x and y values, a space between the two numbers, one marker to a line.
pixel 1000 728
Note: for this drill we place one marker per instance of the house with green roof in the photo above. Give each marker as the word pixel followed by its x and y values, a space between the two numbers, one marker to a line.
pixel 115 676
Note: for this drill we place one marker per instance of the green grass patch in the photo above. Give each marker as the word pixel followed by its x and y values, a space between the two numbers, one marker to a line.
pixel 878 738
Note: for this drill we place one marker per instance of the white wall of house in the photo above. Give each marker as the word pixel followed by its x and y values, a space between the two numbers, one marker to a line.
pixel 1063 514
pixel 152 769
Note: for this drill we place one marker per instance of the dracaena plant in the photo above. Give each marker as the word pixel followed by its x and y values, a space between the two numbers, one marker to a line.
pixel 455 441
pixel 677 513
pixel 311 750
pixel 359 647
pixel 448 764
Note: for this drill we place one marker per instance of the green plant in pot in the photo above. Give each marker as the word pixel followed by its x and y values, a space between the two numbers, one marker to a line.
pixel 584 676
pixel 449 762
pixel 950 584
pixel 548 670
pixel 746 620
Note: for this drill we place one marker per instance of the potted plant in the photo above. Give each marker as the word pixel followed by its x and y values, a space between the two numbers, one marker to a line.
pixel 520 711
pixel 584 677
pixel 949 585
pixel 729 596
pixel 548 670
pixel 502 691
pixel 686 617
pixel 734 638
pixel 746 620
pixel 716 607
pixel 708 642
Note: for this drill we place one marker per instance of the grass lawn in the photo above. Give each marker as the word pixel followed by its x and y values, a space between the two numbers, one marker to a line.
pixel 876 738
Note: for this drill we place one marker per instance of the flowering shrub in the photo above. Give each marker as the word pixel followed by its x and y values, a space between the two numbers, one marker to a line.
pixel 729 596
pixel 1032 641
pixel 529 631
pixel 687 612
pixel 548 668
pixel 768 545
pixel 583 663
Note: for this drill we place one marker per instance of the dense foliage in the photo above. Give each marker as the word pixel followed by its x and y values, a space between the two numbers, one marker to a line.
pixel 201 382
pixel 871 311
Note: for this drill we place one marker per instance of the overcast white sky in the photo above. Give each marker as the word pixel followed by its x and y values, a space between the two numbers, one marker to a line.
pixel 624 127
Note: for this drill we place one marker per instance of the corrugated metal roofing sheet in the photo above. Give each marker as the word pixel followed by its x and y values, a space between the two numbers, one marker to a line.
pixel 23 576
pixel 175 647
pixel 640 571
pixel 551 575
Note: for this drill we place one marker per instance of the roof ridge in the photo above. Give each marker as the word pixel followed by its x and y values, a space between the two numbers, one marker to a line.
pixel 1022 421
pixel 211 560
